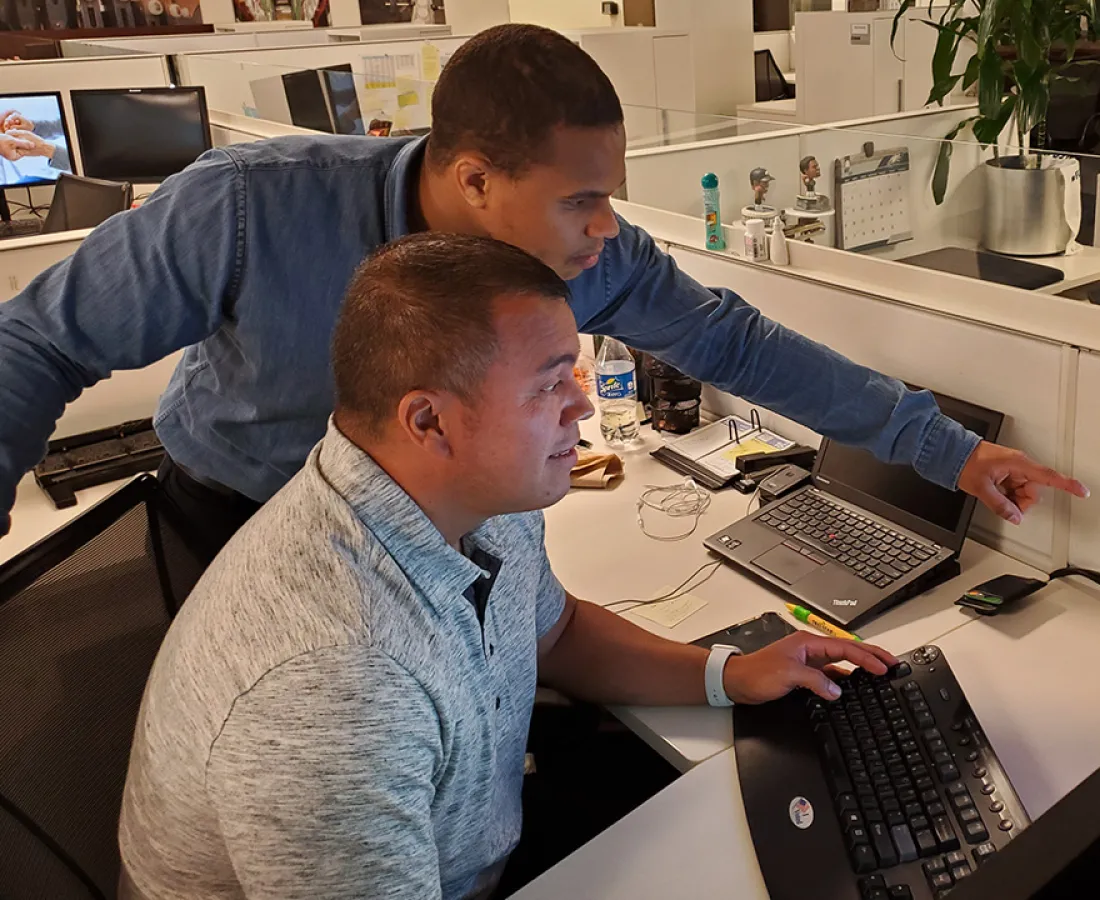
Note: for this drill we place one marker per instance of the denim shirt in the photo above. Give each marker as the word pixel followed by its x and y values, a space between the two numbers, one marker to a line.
pixel 243 260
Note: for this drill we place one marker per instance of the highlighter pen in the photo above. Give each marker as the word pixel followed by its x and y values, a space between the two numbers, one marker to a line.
pixel 804 615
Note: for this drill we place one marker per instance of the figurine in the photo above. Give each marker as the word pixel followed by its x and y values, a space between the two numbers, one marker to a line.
pixel 811 171
pixel 760 181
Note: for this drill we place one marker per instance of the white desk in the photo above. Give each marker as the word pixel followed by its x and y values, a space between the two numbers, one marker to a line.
pixel 599 553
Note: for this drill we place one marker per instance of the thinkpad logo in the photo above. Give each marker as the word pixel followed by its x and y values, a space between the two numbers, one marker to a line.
pixel 848 602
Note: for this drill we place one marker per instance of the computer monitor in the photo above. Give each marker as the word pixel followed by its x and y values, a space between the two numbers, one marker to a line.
pixel 140 134
pixel 34 139
pixel 1056 858
pixel 342 100
pixel 324 100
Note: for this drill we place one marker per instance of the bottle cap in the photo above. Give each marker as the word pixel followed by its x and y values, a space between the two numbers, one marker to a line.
pixel 755 228
pixel 710 181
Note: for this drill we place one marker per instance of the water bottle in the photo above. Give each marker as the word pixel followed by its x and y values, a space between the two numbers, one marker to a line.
pixel 618 393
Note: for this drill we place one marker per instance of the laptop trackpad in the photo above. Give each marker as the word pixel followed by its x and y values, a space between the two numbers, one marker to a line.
pixel 785 564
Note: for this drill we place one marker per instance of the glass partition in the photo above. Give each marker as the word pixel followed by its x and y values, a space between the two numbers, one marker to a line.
pixel 894 189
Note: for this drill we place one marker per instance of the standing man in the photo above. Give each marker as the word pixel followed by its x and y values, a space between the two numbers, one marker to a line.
pixel 243 258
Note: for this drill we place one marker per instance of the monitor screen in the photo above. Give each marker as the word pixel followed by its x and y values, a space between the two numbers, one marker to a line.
pixel 140 134
pixel 899 486
pixel 306 100
pixel 34 139
pixel 343 101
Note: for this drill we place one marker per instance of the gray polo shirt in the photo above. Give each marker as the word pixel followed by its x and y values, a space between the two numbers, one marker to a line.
pixel 329 716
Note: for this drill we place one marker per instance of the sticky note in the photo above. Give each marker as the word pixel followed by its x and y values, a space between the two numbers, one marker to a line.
pixel 670 613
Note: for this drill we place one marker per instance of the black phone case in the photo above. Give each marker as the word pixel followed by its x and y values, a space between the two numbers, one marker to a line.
pixel 755 634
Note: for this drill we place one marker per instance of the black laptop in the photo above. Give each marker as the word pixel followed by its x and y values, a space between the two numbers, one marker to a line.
pixel 863 535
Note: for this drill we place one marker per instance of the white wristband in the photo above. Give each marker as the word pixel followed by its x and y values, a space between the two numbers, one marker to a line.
pixel 712 676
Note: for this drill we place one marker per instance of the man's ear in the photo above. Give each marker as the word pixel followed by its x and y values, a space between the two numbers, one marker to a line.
pixel 474 175
pixel 422 416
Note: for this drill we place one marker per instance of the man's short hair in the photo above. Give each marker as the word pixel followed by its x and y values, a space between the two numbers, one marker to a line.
pixel 505 91
pixel 418 315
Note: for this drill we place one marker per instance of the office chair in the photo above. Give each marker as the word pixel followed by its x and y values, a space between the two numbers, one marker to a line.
pixel 85 202
pixel 770 83
pixel 82 615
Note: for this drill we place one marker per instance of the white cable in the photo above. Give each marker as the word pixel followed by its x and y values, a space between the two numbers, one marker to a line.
pixel 675 501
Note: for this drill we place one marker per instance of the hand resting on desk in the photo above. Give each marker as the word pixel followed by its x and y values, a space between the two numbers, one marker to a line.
pixel 800 660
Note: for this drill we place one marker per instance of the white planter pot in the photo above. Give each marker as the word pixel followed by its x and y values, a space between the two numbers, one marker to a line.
pixel 1031 212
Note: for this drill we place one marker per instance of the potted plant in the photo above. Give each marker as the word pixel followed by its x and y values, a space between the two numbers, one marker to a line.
pixel 1018 48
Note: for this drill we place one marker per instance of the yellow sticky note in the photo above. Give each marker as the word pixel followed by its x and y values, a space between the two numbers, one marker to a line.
pixel 746 447
pixel 671 613
pixel 429 62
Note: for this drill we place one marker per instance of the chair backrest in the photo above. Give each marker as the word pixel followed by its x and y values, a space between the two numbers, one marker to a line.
pixel 82 615
pixel 770 83
pixel 85 202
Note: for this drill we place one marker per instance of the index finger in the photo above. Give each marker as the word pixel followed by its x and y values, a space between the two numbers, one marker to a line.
pixel 823 650
pixel 1053 478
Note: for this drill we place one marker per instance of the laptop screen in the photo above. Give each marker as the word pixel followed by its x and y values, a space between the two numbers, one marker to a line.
pixel 886 489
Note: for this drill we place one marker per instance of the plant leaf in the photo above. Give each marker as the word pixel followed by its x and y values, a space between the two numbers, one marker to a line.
pixel 906 5
pixel 987 131
pixel 987 20
pixel 991 84
pixel 971 74
pixel 943 58
pixel 942 170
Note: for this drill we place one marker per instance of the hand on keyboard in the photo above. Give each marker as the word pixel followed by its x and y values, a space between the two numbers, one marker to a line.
pixel 798 661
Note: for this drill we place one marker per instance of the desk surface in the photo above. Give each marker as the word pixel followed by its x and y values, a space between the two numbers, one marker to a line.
pixel 600 554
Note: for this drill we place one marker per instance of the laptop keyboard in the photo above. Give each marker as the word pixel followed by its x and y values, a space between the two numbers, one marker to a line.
pixel 874 552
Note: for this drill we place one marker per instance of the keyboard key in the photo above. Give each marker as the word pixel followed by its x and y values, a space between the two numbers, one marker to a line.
pixel 884 847
pixel 877 894
pixel 863 859
pixel 976 832
pixel 846 803
pixel 929 796
pixel 935 809
pixel 955 858
pixel 894 819
pixel 962 801
pixel 968 815
pixel 919 822
pixel 926 843
pixel 924 720
pixel 948 772
pixel 871 882
pixel 956 788
pixel 996 806
pixel 924 783
pixel 900 892
pixel 851 820
pixel 934 866
pixel 961 872
pixel 857 836
pixel 903 840
pixel 945 834
pixel 983 852
pixel 941 882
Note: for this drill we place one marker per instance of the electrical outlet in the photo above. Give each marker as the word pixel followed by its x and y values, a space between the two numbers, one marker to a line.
pixel 609 9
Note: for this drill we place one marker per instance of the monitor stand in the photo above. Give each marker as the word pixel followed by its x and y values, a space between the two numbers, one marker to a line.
pixel 5 210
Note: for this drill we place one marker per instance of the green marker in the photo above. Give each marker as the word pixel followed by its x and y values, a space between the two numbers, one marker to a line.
pixel 815 621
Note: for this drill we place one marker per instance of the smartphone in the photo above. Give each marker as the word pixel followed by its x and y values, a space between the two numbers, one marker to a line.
pixel 754 634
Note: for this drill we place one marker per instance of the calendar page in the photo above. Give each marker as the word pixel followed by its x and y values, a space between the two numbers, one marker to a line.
pixel 873 199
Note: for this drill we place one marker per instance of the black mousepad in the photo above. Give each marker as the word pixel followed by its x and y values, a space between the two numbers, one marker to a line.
pixel 986 266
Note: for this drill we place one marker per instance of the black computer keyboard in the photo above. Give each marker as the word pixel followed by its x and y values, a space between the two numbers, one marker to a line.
pixel 876 553
pixel 891 792
pixel 20 228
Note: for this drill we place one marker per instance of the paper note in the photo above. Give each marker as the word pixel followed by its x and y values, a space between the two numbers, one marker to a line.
pixel 670 613
pixel 429 62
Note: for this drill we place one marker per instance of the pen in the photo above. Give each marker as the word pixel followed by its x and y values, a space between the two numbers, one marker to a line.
pixel 814 621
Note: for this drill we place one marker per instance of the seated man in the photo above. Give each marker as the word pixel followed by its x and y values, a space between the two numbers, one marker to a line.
pixel 341 707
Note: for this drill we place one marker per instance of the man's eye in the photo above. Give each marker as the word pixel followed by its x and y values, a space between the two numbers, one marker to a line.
pixel 550 388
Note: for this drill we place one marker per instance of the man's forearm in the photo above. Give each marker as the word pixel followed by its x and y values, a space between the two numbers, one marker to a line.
pixel 603 658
